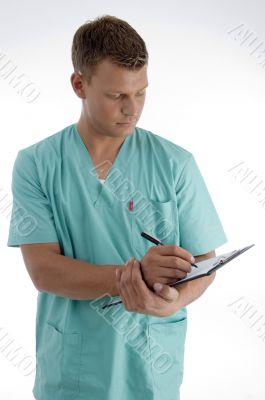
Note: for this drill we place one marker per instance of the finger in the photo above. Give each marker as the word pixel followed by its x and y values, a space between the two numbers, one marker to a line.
pixel 123 293
pixel 126 285
pixel 168 274
pixel 174 262
pixel 142 291
pixel 118 278
pixel 166 292
pixel 118 274
pixel 173 250
pixel 164 275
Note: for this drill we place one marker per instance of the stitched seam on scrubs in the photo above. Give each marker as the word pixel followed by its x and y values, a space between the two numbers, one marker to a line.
pixel 150 355
pixel 42 187
pixel 180 175
pixel 80 342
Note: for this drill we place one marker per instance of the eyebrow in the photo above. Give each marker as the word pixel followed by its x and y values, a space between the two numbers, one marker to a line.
pixel 117 91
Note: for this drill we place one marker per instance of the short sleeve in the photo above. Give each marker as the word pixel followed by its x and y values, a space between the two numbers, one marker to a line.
pixel 31 216
pixel 200 228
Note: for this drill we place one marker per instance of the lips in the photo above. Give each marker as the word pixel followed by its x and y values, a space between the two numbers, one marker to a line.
pixel 128 122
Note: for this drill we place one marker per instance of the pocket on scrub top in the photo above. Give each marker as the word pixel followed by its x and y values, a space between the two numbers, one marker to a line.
pixel 58 364
pixel 167 345
pixel 159 219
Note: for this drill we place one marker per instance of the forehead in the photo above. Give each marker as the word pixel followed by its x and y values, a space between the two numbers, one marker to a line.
pixel 111 76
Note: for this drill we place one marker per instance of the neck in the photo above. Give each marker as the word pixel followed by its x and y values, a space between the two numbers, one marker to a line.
pixel 99 145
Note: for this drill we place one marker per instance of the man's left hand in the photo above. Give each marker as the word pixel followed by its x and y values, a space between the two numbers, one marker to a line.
pixel 137 297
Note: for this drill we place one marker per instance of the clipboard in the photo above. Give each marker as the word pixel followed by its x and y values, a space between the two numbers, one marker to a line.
pixel 207 267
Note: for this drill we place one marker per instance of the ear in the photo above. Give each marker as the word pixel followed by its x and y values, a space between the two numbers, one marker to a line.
pixel 78 84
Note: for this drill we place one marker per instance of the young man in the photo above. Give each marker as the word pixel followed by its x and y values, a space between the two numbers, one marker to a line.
pixel 82 196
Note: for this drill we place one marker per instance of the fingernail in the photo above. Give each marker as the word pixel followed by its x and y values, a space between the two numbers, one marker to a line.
pixel 192 259
pixel 158 287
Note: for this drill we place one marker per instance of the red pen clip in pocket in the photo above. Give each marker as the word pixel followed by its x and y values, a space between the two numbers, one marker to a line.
pixel 131 205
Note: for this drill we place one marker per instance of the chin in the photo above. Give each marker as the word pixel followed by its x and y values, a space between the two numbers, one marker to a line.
pixel 121 131
pixel 128 129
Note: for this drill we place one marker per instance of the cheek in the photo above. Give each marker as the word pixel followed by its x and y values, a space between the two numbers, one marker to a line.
pixel 108 109
pixel 141 103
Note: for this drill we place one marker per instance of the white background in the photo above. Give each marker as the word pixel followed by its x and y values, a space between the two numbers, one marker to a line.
pixel 207 95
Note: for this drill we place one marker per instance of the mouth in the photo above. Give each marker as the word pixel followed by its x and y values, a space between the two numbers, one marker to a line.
pixel 126 123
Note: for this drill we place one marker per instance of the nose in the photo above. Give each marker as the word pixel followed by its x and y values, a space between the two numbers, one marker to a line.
pixel 129 108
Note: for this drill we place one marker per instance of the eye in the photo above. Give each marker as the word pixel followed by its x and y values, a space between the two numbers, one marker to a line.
pixel 119 96
pixel 114 97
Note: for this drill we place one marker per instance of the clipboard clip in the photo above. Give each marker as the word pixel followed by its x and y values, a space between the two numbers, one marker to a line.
pixel 230 256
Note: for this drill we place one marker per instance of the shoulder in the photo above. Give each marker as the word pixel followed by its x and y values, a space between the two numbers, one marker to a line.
pixel 165 149
pixel 44 150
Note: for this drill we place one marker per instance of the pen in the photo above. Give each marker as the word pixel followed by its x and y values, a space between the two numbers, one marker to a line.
pixel 155 241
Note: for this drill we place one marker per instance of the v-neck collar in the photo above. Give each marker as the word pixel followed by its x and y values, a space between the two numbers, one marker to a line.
pixel 99 192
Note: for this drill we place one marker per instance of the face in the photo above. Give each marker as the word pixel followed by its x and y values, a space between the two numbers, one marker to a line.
pixel 115 96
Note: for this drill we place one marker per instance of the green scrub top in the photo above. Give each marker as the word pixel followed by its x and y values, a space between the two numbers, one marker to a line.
pixel 83 351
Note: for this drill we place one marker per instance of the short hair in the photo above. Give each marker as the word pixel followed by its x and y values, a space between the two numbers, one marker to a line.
pixel 107 37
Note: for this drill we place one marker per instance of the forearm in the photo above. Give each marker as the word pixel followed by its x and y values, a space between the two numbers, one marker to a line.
pixel 192 290
pixel 76 279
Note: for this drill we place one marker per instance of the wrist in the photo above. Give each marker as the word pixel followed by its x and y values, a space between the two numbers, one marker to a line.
pixel 142 274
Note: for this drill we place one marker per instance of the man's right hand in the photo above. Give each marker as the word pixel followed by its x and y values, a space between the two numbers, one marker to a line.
pixel 165 264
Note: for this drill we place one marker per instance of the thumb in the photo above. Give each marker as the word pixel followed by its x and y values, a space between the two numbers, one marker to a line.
pixel 166 292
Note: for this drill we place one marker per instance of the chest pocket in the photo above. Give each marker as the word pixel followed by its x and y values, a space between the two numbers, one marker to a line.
pixel 160 220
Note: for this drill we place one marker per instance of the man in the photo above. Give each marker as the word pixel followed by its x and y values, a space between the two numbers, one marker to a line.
pixel 82 196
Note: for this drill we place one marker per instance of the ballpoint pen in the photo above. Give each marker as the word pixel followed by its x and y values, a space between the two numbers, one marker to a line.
pixel 153 240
